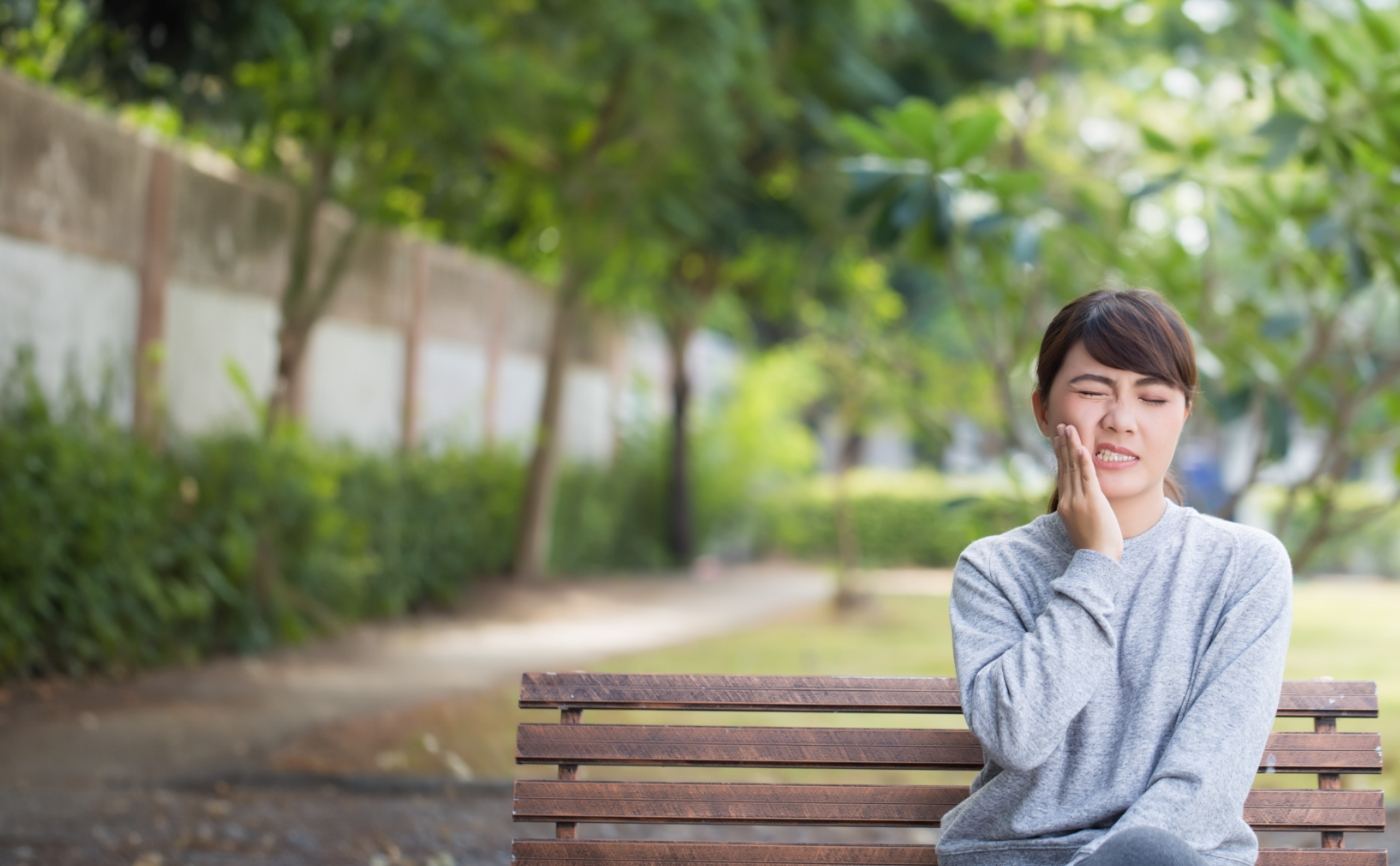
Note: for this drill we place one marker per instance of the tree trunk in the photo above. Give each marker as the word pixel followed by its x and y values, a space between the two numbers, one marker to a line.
pixel 537 511
pixel 294 329
pixel 299 316
pixel 680 534
pixel 847 544
pixel 291 350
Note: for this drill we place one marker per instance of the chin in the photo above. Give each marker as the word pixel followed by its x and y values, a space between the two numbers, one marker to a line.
pixel 1113 490
pixel 1110 480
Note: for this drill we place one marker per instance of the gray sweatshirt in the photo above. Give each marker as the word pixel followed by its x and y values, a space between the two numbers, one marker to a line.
pixel 1113 694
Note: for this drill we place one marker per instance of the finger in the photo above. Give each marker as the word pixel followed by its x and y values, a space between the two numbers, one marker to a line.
pixel 1077 460
pixel 1062 462
pixel 1091 474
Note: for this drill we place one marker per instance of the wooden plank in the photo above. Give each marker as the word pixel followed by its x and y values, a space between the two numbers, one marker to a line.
pixel 1303 752
pixel 871 805
pixel 1329 699
pixel 890 748
pixel 736 803
pixel 723 692
pixel 575 852
pixel 1319 857
pixel 862 694
pixel 527 852
pixel 716 745
pixel 1341 811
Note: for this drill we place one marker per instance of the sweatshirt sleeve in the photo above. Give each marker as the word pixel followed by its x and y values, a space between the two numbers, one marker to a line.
pixel 1199 785
pixel 1021 689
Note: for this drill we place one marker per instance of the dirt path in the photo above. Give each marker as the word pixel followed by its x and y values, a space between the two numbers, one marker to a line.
pixel 229 714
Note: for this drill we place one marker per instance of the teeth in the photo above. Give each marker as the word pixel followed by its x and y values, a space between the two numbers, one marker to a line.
pixel 1115 457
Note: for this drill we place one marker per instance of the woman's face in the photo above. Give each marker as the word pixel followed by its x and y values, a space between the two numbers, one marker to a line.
pixel 1122 408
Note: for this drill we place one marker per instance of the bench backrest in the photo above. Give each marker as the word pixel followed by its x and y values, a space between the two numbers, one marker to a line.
pixel 568 801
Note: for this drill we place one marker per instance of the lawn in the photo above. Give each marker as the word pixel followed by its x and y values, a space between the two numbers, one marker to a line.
pixel 1341 630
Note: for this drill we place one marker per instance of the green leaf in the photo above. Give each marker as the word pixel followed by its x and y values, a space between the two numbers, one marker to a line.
pixel 972 136
pixel 866 137
pixel 1008 184
pixel 1156 140
pixel 1283 130
pixel 1155 186
pixel 238 377
pixel 1377 27
pixel 1289 37
pixel 1336 60
pixel 918 130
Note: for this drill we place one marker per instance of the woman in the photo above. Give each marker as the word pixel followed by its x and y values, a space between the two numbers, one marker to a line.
pixel 1120 657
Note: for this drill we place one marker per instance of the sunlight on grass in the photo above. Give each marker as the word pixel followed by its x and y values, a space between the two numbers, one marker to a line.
pixel 1345 631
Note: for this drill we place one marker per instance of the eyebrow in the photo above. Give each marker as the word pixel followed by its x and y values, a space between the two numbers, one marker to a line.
pixel 1095 377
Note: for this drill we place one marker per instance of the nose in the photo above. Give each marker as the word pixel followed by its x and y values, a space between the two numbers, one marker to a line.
pixel 1118 416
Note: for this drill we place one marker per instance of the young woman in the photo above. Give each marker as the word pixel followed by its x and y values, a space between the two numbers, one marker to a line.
pixel 1120 657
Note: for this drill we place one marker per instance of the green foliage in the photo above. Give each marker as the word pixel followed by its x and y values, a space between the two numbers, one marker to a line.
pixel 754 445
pixel 114 556
pixel 1373 549
pixel 904 520
pixel 435 522
pixel 261 524
pixel 611 516
pixel 83 548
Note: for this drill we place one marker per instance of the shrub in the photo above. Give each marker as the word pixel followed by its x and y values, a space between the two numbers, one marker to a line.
pixel 434 522
pixel 613 516
pixel 83 538
pixel 903 519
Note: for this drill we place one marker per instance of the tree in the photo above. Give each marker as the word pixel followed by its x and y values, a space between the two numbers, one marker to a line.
pixel 1319 228
pixel 357 103
pixel 637 120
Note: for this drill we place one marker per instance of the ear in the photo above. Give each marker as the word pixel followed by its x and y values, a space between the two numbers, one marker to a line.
pixel 1038 408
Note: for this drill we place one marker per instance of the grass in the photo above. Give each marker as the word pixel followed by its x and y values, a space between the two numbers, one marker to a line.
pixel 1342 630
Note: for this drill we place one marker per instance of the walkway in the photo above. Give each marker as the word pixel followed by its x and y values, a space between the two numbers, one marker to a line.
pixel 225 715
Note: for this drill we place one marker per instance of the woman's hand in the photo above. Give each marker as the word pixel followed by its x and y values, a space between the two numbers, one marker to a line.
pixel 1083 506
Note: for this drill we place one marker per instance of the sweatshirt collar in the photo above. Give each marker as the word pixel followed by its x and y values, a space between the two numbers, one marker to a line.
pixel 1165 527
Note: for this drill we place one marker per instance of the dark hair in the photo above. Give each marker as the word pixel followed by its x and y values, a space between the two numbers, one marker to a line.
pixel 1131 329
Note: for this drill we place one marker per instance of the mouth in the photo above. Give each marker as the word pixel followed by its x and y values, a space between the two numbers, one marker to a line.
pixel 1111 458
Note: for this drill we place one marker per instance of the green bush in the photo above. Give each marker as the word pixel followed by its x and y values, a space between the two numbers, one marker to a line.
pixel 899 520
pixel 920 518
pixel 434 522
pixel 612 515
pixel 751 449
pixel 115 556
pixel 1374 549
pixel 83 538
pixel 260 527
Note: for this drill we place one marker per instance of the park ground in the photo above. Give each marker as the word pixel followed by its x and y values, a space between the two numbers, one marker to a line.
pixel 393 744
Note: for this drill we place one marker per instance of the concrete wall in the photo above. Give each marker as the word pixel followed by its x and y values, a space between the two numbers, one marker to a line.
pixel 111 240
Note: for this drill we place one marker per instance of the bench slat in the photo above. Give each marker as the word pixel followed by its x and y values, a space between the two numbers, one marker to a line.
pixel 873 805
pixel 1322 857
pixel 723 692
pixel 875 748
pixel 579 852
pixel 1314 698
pixel 569 852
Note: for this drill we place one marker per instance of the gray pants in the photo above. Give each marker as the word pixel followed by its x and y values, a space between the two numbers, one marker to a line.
pixel 1144 846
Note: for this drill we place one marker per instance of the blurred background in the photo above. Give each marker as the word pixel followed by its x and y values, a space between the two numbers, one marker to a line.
pixel 358 355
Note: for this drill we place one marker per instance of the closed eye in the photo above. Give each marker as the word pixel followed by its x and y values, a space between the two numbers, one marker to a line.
pixel 1098 394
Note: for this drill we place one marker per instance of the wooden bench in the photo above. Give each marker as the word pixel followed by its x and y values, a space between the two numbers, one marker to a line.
pixel 569 801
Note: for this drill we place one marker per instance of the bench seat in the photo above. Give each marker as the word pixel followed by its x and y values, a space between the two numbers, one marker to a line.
pixel 568 801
